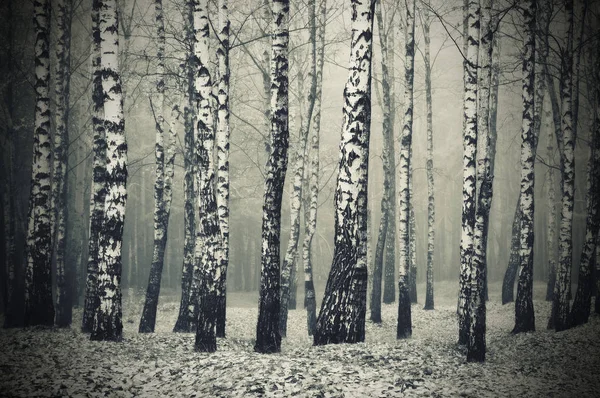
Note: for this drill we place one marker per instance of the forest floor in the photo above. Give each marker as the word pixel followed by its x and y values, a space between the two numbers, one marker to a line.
pixel 64 362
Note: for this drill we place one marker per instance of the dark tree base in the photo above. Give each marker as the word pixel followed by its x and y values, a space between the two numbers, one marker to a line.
pixel 524 318
pixel 268 338
pixel 108 331
pixel 206 339
pixel 221 315
pixel 404 328
pixel 428 306
pixel 41 314
pixel 183 326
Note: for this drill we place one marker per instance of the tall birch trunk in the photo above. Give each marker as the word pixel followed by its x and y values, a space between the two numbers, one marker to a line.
pixel 186 320
pixel 560 305
pixel 296 197
pixel 412 238
pixel 469 170
pixel 429 301
pixel 222 136
pixel 404 327
pixel 387 129
pixel 107 319
pixel 162 184
pixel 39 307
pixel 64 272
pixel 208 234
pixel 268 337
pixel 343 310
pixel 524 312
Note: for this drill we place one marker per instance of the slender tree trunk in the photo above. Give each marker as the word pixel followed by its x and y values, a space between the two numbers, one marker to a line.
pixel 162 187
pixel 387 129
pixel 268 337
pixel 208 236
pixel 296 193
pixel 469 171
pixel 107 319
pixel 524 313
pixel 404 328
pixel 429 302
pixel 39 308
pixel 186 320
pixel 64 271
pixel 560 306
pixel 222 136
pixel 508 283
pixel 343 310
pixel 318 47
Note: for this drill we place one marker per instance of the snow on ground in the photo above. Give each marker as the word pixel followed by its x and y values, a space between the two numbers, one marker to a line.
pixel 64 362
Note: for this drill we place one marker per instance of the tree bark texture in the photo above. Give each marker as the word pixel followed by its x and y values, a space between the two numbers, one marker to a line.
pixel 404 327
pixel 268 337
pixel 39 307
pixel 343 310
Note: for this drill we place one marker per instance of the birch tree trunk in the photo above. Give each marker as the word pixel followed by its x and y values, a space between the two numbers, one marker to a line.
pixel 583 297
pixel 315 125
pixel 476 345
pixel 404 327
pixel 186 320
pixel 412 238
pixel 98 191
pixel 222 136
pixel 299 166
pixel 268 337
pixel 342 315
pixel 469 170
pixel 208 235
pixel 429 301
pixel 162 184
pixel 64 271
pixel 524 313
pixel 560 305
pixel 39 308
pixel 107 319
pixel 387 129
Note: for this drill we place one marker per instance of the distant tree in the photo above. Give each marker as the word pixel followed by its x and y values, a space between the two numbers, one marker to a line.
pixel 107 319
pixel 559 318
pixel 186 320
pixel 64 271
pixel 222 137
pixel 163 191
pixel 343 310
pixel 508 282
pixel 404 328
pixel 208 233
pixel 268 337
pixel 470 64
pixel 39 307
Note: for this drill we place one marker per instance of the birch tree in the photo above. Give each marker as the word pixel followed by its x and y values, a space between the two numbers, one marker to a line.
pixel 186 320
pixel 222 137
pixel 208 235
pixel 388 130
pixel 404 328
pixel 98 191
pixel 469 168
pixel 164 169
pixel 299 166
pixel 64 272
pixel 107 318
pixel 318 47
pixel 268 337
pixel 560 305
pixel 39 307
pixel 429 301
pixel 343 310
